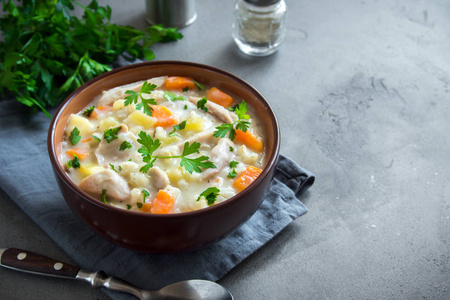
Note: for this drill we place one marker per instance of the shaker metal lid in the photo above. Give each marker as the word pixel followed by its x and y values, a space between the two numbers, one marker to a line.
pixel 262 2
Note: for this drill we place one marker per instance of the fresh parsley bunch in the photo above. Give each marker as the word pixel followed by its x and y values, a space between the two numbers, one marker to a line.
pixel 47 52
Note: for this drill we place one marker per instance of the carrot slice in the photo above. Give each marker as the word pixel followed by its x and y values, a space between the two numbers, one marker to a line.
pixel 146 207
pixel 250 140
pixel 163 116
pixel 78 152
pixel 87 140
pixel 163 202
pixel 179 83
pixel 217 96
pixel 247 177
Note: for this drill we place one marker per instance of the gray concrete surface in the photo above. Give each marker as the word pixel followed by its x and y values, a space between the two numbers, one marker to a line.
pixel 361 90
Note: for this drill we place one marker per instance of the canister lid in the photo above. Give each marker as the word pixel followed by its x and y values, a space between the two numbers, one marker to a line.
pixel 262 2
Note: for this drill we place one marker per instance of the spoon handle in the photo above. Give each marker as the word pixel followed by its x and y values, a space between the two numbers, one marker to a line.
pixel 30 262
pixel 27 261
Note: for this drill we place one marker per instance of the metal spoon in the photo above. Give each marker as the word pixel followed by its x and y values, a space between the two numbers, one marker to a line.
pixel 30 262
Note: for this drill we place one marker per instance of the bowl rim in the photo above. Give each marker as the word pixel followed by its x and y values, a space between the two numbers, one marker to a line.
pixel 271 161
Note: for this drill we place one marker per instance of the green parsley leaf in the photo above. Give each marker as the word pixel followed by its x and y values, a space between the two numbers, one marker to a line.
pixel 199 86
pixel 89 111
pixel 112 167
pixel 210 194
pixel 185 107
pixel 186 89
pixel 129 206
pixel 125 145
pixel 96 138
pixel 111 134
pixel 133 97
pixel 170 96
pixel 75 136
pixel 74 163
pixel 241 123
pixel 148 147
pixel 190 164
pixel 233 165
pixel 180 126
pixel 194 164
pixel 145 194
pixel 201 104
pixel 47 51
pixel 231 149
pixel 104 196
pixel 139 204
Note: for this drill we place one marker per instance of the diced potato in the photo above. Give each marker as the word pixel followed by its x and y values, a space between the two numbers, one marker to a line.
pixel 119 104
pixel 140 119
pixel 195 124
pixel 87 169
pixel 108 123
pixel 160 133
pixel 82 124
pixel 170 140
pixel 138 179
pixel 248 156
pixel 174 174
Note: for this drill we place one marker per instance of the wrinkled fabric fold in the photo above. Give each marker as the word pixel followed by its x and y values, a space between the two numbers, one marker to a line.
pixel 26 177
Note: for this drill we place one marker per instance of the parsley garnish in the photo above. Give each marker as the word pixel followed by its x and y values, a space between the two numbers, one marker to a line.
pixel 241 123
pixel 145 194
pixel 185 107
pixel 210 195
pixel 233 165
pixel 180 126
pixel 96 138
pixel 125 145
pixel 139 204
pixel 231 149
pixel 201 104
pixel 186 89
pixel 148 147
pixel 112 167
pixel 190 164
pixel 74 163
pixel 129 206
pixel 89 111
pixel 104 196
pixel 47 51
pixel 199 86
pixel 170 96
pixel 133 97
pixel 111 134
pixel 75 136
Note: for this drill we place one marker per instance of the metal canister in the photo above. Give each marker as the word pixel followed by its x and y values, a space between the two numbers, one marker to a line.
pixel 172 13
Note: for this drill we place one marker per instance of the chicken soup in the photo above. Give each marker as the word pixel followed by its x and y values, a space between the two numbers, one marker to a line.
pixel 163 145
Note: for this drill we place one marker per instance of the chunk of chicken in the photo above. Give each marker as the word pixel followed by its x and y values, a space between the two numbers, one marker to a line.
pixel 217 110
pixel 110 153
pixel 116 187
pixel 202 137
pixel 221 156
pixel 108 97
pixel 159 179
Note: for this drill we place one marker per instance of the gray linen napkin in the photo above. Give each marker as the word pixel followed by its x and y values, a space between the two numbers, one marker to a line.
pixel 27 178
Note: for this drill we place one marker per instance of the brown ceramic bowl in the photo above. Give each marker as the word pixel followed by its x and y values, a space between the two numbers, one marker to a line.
pixel 175 232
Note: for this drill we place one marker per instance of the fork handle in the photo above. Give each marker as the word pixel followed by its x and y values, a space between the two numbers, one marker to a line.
pixel 30 262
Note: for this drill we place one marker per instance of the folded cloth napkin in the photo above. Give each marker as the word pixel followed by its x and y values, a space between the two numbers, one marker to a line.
pixel 27 178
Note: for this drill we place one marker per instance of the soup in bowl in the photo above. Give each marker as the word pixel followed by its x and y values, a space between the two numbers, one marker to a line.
pixel 164 156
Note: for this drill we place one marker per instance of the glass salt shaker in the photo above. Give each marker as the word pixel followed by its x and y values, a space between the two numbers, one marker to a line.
pixel 259 26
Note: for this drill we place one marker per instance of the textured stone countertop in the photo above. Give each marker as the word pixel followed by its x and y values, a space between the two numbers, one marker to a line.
pixel 361 90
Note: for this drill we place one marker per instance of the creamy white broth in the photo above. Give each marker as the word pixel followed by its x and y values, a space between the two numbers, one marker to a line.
pixel 113 175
